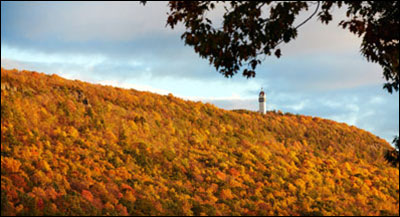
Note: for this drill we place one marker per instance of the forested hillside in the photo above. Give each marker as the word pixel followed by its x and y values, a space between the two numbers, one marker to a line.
pixel 74 148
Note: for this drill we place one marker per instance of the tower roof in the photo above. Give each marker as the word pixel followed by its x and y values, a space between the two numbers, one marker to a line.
pixel 262 92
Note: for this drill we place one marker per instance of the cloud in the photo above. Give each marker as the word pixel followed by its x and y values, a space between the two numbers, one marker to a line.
pixel 87 21
pixel 315 37
pixel 150 57
pixel 127 85
pixel 319 72
pixel 120 32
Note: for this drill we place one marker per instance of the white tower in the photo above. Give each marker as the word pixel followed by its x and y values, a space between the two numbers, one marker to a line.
pixel 262 99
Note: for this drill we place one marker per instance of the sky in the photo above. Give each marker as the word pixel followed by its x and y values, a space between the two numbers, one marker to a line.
pixel 125 44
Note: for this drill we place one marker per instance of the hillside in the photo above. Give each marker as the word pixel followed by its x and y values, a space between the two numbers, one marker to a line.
pixel 73 148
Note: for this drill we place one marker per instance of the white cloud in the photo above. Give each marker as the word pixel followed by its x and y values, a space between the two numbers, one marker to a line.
pixel 15 54
pixel 299 106
pixel 315 37
pixel 11 64
pixel 234 96
pixel 128 85
pixel 377 100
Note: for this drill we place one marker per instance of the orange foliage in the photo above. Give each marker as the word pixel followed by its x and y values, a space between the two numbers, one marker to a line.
pixel 72 148
pixel 87 195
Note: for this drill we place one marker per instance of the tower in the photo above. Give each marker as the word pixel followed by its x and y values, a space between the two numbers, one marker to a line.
pixel 262 99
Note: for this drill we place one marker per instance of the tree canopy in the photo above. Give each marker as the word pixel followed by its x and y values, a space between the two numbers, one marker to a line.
pixel 252 30
pixel 77 149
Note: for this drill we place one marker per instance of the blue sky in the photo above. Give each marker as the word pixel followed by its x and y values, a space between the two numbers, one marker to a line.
pixel 126 44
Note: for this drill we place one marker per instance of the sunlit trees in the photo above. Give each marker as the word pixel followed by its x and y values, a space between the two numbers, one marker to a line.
pixel 123 159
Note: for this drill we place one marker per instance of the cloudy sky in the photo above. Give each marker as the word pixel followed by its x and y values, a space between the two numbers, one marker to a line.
pixel 126 44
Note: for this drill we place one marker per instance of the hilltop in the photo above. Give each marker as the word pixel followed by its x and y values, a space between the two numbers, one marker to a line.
pixel 74 148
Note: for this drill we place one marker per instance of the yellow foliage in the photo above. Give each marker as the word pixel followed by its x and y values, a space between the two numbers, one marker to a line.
pixel 300 184
pixel 82 149
pixel 348 167
pixel 226 194
pixel 292 188
pixel 44 166
pixel 73 132
pixel 10 165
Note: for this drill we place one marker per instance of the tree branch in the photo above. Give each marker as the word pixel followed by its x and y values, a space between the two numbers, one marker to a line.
pixel 305 21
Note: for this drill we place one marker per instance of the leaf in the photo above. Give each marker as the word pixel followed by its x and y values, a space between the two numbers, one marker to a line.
pixel 278 53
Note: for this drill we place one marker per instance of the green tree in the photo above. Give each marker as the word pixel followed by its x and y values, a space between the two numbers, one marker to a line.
pixel 247 35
